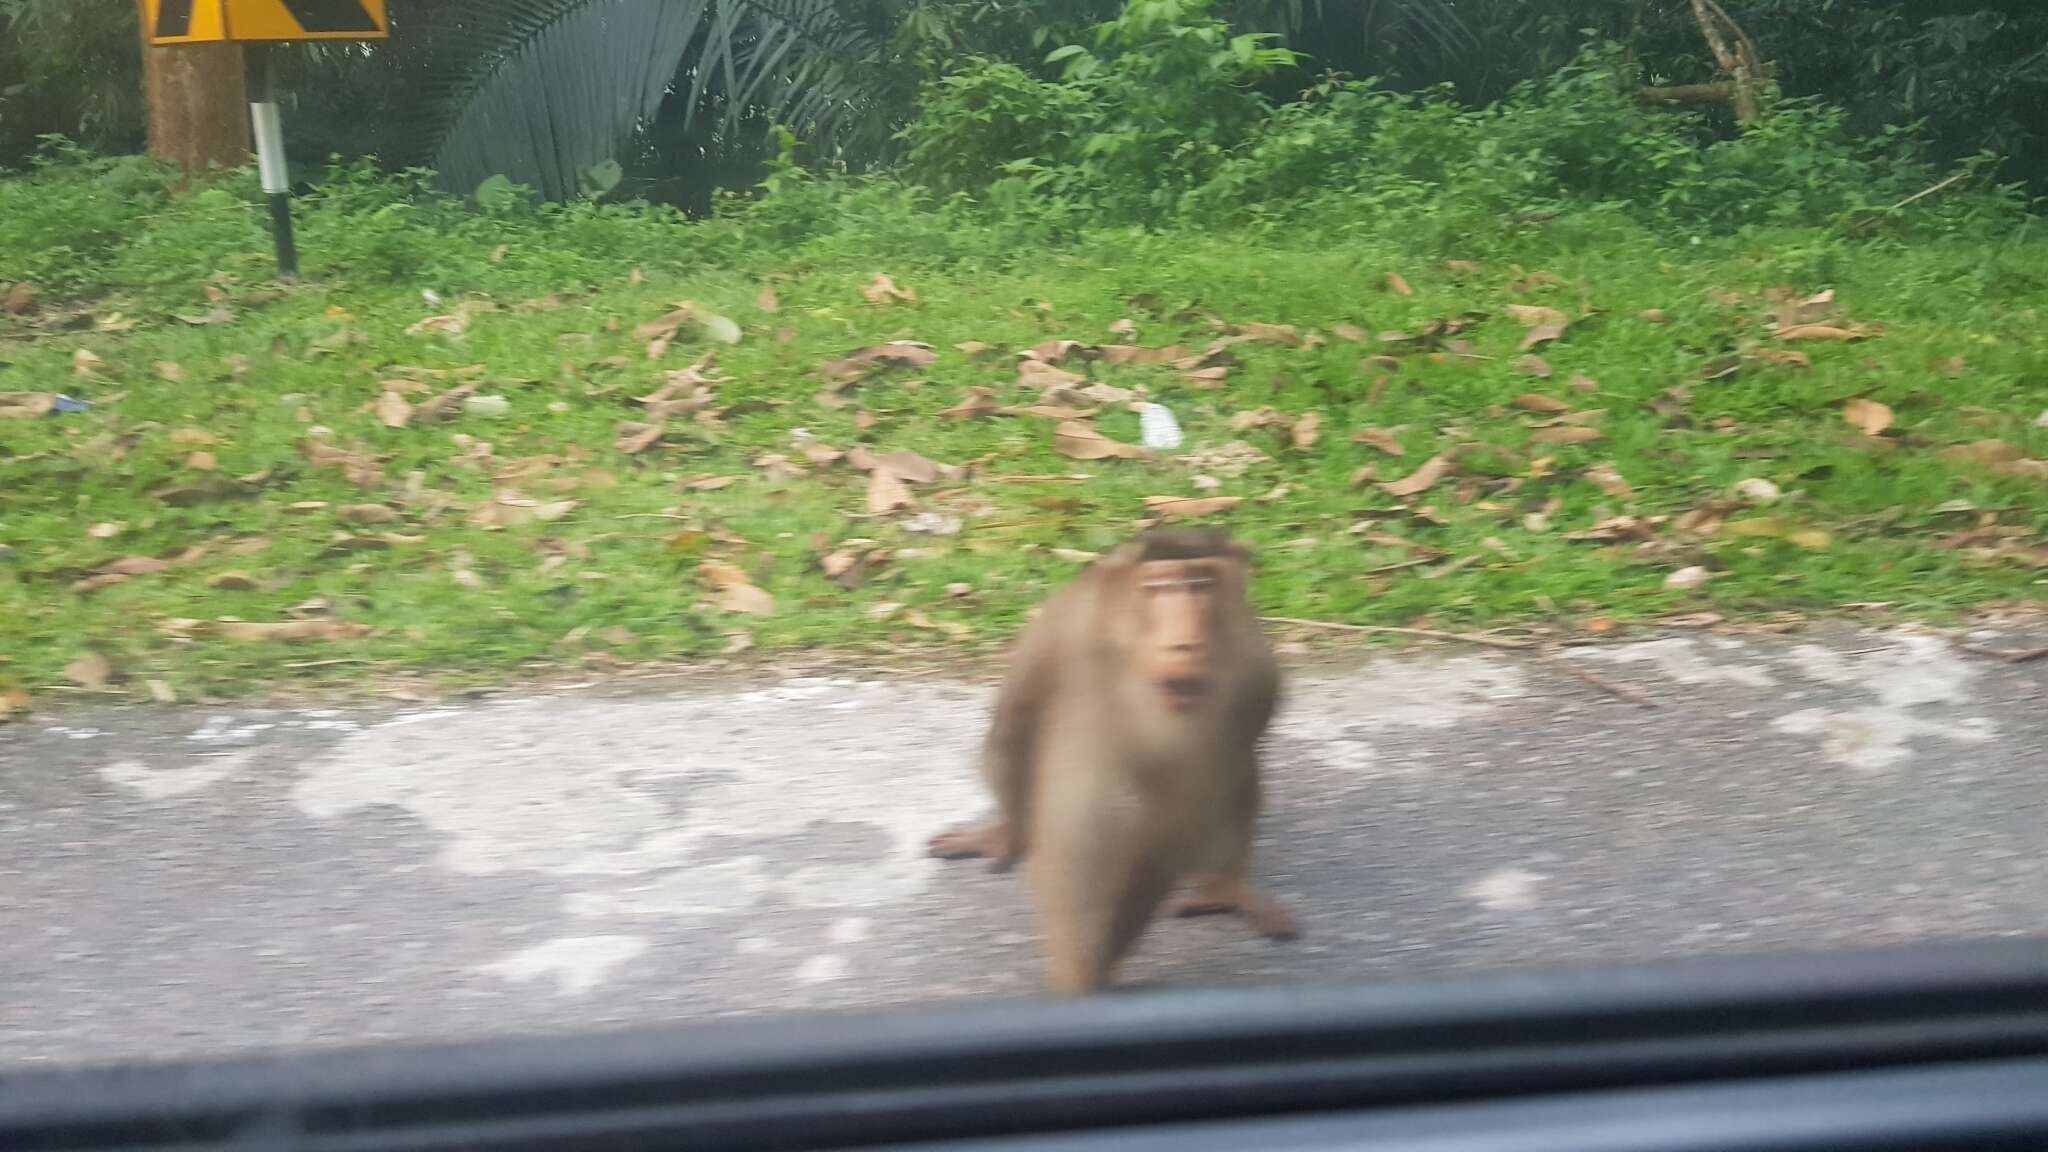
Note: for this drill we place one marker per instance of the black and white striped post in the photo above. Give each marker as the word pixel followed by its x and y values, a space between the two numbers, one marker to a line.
pixel 270 163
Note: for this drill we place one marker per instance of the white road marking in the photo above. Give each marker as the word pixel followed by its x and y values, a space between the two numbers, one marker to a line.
pixel 1505 890
pixel 578 964
pixel 655 801
pixel 1679 658
pixel 1911 671
pixel 822 969
pixel 170 783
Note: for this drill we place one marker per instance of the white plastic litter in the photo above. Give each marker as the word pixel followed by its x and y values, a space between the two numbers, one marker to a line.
pixel 1157 428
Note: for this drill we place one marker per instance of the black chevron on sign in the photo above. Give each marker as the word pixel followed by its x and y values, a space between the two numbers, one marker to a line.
pixel 331 15
pixel 173 18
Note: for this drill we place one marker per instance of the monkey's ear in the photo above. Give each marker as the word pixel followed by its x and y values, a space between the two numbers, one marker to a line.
pixel 1124 556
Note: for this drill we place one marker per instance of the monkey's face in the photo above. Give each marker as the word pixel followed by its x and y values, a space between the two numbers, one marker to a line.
pixel 1177 609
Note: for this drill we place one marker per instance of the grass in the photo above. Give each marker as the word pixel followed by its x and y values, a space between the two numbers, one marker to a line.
pixel 621 576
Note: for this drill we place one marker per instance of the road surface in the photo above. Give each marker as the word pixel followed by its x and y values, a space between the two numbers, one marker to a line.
pixel 178 882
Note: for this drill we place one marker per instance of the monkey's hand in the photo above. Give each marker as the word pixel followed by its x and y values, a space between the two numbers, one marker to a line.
pixel 991 840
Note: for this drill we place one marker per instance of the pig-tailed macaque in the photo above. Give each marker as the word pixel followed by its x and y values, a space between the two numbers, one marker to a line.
pixel 1123 753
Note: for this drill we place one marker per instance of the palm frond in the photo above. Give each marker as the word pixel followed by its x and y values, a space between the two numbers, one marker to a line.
pixel 539 90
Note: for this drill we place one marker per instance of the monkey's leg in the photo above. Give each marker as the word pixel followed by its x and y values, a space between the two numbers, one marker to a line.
pixel 1098 876
pixel 1006 767
pixel 1227 891
pixel 1217 895
pixel 1091 925
pixel 991 840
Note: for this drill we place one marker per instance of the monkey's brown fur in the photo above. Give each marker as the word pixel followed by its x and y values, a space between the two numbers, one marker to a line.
pixel 1123 751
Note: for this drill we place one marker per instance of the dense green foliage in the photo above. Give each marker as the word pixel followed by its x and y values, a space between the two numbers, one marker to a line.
pixel 1973 77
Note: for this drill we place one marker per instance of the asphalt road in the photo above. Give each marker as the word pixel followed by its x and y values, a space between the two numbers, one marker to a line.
pixel 178 882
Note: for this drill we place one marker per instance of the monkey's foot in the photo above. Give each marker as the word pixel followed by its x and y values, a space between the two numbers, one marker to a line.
pixel 1261 911
pixel 990 840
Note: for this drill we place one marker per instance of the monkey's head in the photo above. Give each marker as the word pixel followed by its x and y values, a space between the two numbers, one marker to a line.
pixel 1179 594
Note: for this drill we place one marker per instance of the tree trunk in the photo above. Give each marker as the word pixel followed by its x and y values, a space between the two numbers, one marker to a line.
pixel 196 103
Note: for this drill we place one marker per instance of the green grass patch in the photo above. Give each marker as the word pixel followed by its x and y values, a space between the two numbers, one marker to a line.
pixel 1691 405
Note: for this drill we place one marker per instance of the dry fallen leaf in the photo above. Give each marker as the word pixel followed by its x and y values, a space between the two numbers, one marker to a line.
pixel 887 492
pixel 1534 315
pixel 1057 351
pixel 288 631
pixel 85 363
pixel 1820 332
pixel 233 581
pixel 1687 579
pixel 736 592
pixel 365 514
pixel 882 290
pixel 1266 417
pixel 89 671
pixel 19 299
pixel 1869 416
pixel 1307 431
pixel 1039 374
pixel 767 300
pixel 508 509
pixel 1398 286
pixel 444 405
pixel 1117 354
pixel 1286 334
pixel 908 465
pixel 26 405
pixel 207 318
pixel 106 530
pixel 1379 438
pixel 1188 507
pixel 1420 480
pixel 202 462
pixel 977 404
pixel 1082 442
pixel 1784 358
pixel 1533 365
pixel 1535 402
pixel 1564 434
pixel 1351 332
pixel 1540 335
pixel 1126 328
pixel 636 437
pixel 160 692
pixel 1998 456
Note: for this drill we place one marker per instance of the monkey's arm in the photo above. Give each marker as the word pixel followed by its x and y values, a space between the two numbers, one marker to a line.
pixel 1010 754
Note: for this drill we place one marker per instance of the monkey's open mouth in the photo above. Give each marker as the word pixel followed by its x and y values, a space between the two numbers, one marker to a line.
pixel 1182 691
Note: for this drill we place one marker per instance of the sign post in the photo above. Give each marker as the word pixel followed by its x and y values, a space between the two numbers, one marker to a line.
pixel 257 24
pixel 270 165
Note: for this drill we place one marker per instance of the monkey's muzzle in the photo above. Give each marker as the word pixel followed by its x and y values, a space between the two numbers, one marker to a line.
pixel 1183 693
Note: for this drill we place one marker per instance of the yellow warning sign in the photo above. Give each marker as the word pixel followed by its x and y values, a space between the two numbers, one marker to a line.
pixel 205 21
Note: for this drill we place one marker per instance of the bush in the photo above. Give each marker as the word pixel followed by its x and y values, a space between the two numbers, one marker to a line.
pixel 1161 125
pixel 1134 123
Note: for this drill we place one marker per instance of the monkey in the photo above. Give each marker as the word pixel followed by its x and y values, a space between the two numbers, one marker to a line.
pixel 1122 753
